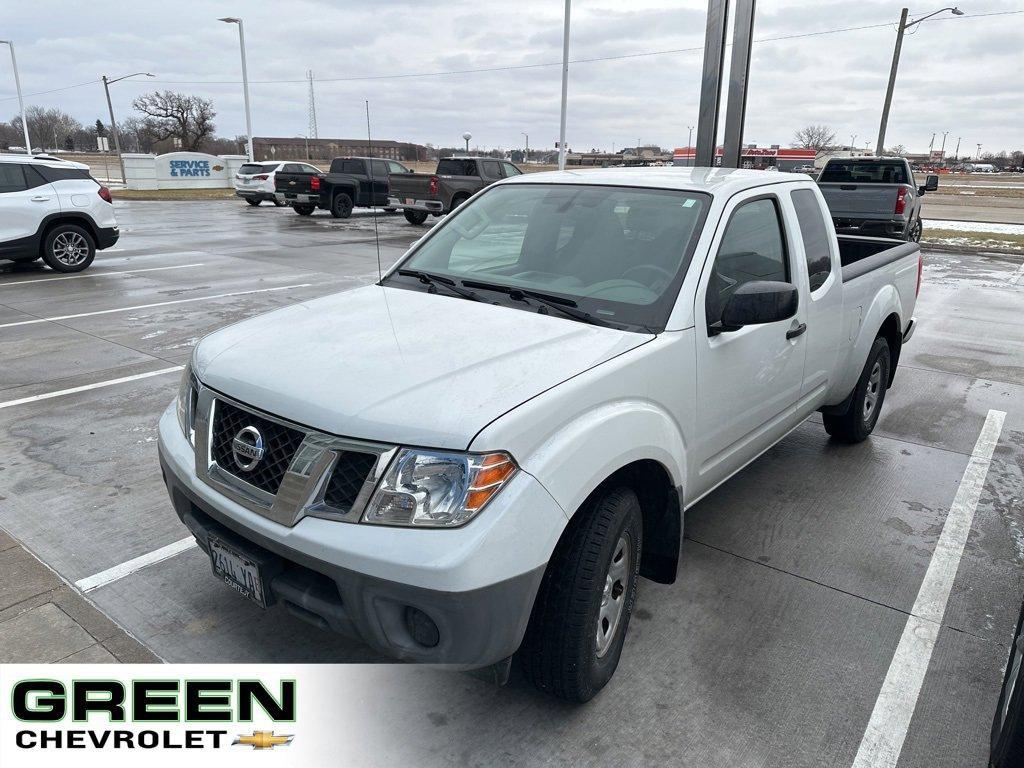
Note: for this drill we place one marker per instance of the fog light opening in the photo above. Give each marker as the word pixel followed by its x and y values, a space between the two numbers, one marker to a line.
pixel 422 628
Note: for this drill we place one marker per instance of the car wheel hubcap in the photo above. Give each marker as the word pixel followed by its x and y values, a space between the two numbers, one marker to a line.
pixel 873 391
pixel 70 248
pixel 613 598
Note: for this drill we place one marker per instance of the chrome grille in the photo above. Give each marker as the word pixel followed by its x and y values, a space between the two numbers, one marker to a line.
pixel 347 478
pixel 280 444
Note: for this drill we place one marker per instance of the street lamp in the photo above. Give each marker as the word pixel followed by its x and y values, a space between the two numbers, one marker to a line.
pixel 853 142
pixel 245 81
pixel 903 27
pixel 526 152
pixel 467 136
pixel 304 136
pixel 21 102
pixel 943 150
pixel 956 155
pixel 565 88
pixel 113 126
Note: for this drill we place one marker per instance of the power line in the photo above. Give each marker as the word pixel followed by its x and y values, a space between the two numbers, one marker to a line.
pixel 540 65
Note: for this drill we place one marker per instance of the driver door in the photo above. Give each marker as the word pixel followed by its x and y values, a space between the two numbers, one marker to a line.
pixel 748 380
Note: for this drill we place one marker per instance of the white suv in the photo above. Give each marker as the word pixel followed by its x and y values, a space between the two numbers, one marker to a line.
pixel 254 182
pixel 53 210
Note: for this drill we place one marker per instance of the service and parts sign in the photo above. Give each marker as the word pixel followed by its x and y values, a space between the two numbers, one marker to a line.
pixel 182 170
pixel 199 715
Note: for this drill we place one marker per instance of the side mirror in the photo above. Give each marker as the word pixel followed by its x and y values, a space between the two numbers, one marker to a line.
pixel 931 183
pixel 756 303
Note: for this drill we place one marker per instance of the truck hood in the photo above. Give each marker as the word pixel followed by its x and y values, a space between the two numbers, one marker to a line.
pixel 400 366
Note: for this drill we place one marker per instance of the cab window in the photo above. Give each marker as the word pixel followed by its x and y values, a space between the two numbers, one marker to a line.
pixel 380 168
pixel 511 170
pixel 752 248
pixel 814 235
pixel 12 178
pixel 394 167
pixel 492 169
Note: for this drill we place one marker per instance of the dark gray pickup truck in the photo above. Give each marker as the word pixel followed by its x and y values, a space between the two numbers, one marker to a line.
pixel 351 181
pixel 874 196
pixel 453 183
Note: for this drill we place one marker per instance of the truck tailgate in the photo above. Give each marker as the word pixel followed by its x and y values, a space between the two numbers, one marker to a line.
pixel 410 186
pixel 860 200
pixel 294 183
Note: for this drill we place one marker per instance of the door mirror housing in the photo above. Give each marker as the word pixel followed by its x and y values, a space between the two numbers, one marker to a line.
pixel 931 183
pixel 756 303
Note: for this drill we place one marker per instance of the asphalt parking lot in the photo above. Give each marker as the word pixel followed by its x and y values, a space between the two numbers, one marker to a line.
pixel 798 575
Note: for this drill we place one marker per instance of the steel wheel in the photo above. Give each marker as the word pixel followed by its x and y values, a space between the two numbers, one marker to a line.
pixel 70 248
pixel 613 599
pixel 873 390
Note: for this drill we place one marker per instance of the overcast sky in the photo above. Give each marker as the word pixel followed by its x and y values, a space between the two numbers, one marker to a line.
pixel 960 75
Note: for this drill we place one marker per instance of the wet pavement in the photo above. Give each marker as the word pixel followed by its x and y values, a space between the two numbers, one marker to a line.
pixel 797 575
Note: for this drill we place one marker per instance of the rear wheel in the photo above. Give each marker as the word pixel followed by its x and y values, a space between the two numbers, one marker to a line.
pixel 415 217
pixel 303 210
pixel 280 203
pixel 915 231
pixel 68 248
pixel 860 418
pixel 253 201
pixel 579 622
pixel 457 201
pixel 341 206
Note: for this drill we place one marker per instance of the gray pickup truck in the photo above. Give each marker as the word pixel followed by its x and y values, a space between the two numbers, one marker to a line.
pixel 455 181
pixel 874 196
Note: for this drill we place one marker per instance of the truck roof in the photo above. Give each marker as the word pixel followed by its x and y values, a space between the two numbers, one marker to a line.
pixel 711 180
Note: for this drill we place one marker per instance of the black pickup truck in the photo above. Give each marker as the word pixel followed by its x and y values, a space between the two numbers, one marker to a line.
pixel 351 181
pixel 453 183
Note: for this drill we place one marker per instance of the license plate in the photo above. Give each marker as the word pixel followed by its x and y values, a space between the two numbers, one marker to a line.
pixel 237 570
pixel 408 201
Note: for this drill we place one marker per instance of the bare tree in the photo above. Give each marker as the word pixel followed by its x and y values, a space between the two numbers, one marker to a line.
pixel 178 116
pixel 48 127
pixel 814 137
pixel 898 151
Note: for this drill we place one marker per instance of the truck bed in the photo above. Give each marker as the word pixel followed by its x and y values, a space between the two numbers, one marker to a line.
pixel 861 255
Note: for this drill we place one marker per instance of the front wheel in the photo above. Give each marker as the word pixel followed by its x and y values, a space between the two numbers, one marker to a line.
pixel 579 622
pixel 860 418
pixel 68 248
pixel 415 217
pixel 253 201
pixel 341 206
pixel 303 210
pixel 279 203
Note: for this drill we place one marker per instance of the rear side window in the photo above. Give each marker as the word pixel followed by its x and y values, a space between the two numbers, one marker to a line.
pixel 814 234
pixel 492 169
pixel 12 178
pixel 511 170
pixel 456 168
pixel 752 248
pixel 394 167
pixel 347 166
pixel 51 174
pixel 864 172
pixel 380 168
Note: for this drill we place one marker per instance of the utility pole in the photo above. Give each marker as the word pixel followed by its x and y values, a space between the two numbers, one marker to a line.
pixel 903 27
pixel 526 152
pixel 113 125
pixel 21 101
pixel 245 81
pixel 313 134
pixel 565 87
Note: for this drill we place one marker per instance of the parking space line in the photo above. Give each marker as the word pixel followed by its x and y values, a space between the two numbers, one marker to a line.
pixel 87 387
pixel 98 274
pixel 118 572
pixel 886 731
pixel 149 306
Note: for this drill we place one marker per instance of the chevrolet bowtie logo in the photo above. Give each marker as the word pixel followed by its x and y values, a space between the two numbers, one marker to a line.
pixel 263 740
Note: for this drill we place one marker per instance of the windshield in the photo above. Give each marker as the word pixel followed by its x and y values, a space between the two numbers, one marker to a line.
pixel 864 172
pixel 619 254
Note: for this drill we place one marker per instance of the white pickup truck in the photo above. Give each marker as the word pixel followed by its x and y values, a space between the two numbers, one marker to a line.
pixel 480 454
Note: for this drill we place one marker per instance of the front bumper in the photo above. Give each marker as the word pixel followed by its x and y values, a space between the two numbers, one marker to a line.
pixel 477 583
pixel 407 203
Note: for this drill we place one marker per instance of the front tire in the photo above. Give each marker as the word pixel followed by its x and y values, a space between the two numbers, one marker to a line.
pixel 341 206
pixel 303 210
pixel 68 248
pixel 253 201
pixel 860 418
pixel 279 203
pixel 415 218
pixel 579 622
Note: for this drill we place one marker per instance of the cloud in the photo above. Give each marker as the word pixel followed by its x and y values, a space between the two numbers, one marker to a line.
pixel 957 75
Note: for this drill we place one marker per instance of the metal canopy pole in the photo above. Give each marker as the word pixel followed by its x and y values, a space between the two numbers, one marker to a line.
pixel 711 83
pixel 565 87
pixel 739 74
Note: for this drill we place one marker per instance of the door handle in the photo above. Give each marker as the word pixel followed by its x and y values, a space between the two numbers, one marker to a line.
pixel 792 333
pixel 40 199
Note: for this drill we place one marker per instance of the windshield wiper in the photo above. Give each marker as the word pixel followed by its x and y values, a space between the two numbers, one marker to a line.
pixel 434 280
pixel 567 307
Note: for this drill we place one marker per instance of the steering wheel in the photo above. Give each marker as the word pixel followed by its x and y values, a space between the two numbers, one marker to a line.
pixel 664 274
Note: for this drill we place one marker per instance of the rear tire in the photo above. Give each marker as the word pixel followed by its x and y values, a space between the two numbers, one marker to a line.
pixel 415 217
pixel 457 201
pixel 579 622
pixel 341 206
pixel 303 210
pixel 860 418
pixel 253 201
pixel 68 248
pixel 915 231
pixel 279 203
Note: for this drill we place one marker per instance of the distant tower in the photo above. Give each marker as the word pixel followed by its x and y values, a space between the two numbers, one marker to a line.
pixel 312 107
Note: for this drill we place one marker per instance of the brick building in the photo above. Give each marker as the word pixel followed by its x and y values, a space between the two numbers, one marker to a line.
pixel 296 148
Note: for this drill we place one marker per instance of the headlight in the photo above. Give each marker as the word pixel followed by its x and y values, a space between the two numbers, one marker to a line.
pixel 188 397
pixel 437 489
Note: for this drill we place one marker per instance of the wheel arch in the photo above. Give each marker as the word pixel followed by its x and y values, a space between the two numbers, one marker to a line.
pixel 892 332
pixel 53 220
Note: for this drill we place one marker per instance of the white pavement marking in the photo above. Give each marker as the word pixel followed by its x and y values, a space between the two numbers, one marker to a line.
pixel 98 274
pixel 887 729
pixel 87 387
pixel 1017 276
pixel 148 306
pixel 118 572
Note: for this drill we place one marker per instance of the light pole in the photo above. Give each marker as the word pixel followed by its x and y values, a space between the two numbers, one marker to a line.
pixel 956 155
pixel 526 152
pixel 467 136
pixel 21 101
pixel 979 152
pixel 245 81
pixel 113 126
pixel 689 145
pixel 565 87
pixel 304 136
pixel 853 142
pixel 943 150
pixel 903 27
